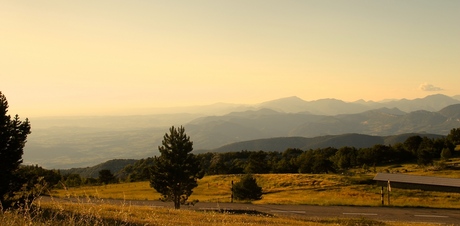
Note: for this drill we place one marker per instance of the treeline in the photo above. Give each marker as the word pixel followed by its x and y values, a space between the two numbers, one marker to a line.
pixel 33 177
pixel 415 149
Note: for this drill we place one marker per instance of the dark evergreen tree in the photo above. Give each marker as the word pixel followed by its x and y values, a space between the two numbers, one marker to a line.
pixel 425 156
pixel 321 164
pixel 454 136
pixel 247 189
pixel 257 163
pixel 13 136
pixel 412 144
pixel 345 158
pixel 106 177
pixel 176 171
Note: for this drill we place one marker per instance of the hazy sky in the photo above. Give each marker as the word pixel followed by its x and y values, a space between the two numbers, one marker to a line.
pixel 107 57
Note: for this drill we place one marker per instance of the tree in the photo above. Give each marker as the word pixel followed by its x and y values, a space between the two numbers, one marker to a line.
pixel 257 163
pixel 412 144
pixel 72 180
pixel 176 171
pixel 13 136
pixel 247 189
pixel 106 177
pixel 454 136
pixel 446 154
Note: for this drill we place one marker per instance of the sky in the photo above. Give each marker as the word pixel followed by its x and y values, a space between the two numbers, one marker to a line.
pixel 116 57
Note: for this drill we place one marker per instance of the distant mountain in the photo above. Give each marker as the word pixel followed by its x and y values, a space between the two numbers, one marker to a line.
pixel 452 111
pixel 336 141
pixel 318 107
pixel 334 107
pixel 430 103
pixel 114 166
pixel 69 142
pixel 210 132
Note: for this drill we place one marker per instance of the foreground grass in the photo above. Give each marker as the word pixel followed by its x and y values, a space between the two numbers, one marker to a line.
pixel 99 213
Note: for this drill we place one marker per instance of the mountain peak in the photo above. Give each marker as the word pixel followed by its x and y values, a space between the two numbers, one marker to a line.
pixel 287 104
pixel 290 99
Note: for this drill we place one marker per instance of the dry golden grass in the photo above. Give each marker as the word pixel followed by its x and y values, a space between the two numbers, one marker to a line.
pixel 312 189
pixel 285 189
pixel 96 212
pixel 134 191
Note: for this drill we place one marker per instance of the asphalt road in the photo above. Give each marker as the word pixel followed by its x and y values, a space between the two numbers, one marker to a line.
pixel 388 214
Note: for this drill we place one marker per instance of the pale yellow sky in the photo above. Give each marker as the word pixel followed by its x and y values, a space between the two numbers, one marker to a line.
pixel 113 57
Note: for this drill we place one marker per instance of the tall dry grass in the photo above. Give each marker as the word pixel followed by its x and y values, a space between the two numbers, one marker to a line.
pixel 92 211
pixel 309 189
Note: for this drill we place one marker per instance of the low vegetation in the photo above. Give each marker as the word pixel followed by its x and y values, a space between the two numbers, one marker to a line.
pixel 92 211
pixel 354 188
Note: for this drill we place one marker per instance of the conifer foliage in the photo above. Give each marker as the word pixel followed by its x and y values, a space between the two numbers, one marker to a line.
pixel 247 189
pixel 13 136
pixel 175 172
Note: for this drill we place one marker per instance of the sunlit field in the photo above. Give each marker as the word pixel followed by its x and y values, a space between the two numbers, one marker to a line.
pixel 312 189
pixel 355 187
pixel 96 212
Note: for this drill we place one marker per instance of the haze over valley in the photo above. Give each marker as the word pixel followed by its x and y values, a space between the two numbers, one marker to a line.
pixel 67 142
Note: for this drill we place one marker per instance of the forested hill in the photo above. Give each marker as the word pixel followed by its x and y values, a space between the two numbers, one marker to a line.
pixel 114 166
pixel 336 141
pixel 273 144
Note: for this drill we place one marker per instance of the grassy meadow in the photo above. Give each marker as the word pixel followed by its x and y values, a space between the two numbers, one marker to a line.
pixel 100 214
pixel 355 188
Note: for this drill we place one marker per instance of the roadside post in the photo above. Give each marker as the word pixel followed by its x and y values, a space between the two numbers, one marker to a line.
pixel 232 192
pixel 382 196
pixel 389 191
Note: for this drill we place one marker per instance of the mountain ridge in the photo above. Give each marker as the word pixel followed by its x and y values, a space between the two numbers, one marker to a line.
pixel 336 141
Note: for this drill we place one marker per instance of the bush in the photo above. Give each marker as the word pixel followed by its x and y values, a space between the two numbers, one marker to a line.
pixel 247 189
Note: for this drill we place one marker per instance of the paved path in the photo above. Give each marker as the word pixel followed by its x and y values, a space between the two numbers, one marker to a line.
pixel 430 215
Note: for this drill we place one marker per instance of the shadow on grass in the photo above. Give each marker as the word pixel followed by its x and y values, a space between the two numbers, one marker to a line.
pixel 238 211
pixel 352 222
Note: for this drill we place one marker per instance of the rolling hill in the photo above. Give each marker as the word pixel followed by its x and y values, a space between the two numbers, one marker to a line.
pixel 336 141
pixel 114 165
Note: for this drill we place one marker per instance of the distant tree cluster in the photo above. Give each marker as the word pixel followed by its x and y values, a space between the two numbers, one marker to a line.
pixel 139 171
pixel 415 149
pixel 421 150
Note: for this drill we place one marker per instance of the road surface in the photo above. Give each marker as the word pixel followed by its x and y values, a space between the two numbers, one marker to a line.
pixel 388 214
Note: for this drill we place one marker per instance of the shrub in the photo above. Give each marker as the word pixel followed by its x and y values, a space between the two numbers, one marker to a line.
pixel 247 189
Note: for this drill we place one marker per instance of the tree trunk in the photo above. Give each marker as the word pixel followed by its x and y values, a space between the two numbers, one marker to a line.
pixel 177 202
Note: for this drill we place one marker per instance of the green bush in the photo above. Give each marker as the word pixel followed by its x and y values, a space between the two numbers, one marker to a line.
pixel 247 189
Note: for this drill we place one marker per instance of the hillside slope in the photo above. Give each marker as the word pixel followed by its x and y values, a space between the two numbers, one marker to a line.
pixel 336 141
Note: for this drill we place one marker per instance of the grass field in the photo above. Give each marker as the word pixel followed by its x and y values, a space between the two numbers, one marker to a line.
pixel 311 189
pixel 355 188
pixel 97 213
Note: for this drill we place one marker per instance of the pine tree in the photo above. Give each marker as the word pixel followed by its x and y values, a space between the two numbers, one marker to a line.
pixel 176 171
pixel 13 136
pixel 106 177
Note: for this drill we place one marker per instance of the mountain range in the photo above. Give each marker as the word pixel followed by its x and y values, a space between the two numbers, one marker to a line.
pixel 66 142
